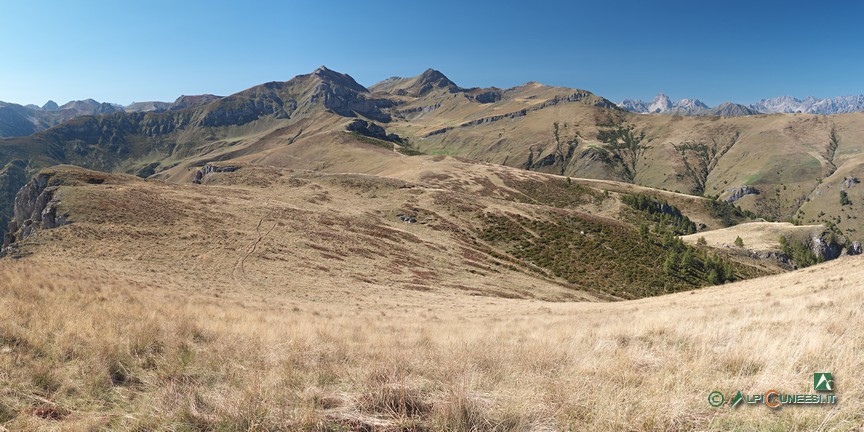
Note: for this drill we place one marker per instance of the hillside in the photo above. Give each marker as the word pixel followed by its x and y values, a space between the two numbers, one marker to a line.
pixel 282 300
pixel 437 224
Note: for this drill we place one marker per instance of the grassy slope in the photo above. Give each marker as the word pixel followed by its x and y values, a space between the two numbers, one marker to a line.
pixel 757 236
pixel 786 157
pixel 344 227
pixel 199 358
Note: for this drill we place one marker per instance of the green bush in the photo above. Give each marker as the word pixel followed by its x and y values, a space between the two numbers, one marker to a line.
pixel 661 212
pixel 799 252
pixel 593 254
pixel 844 198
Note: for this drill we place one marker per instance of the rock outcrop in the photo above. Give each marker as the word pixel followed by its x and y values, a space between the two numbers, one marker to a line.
pixel 848 182
pixel 825 248
pixel 210 168
pixel 484 96
pixel 36 207
pixel 741 193
pixel 371 130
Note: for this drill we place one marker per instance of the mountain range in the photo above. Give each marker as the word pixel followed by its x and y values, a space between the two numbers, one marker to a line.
pixel 17 120
pixel 780 167
pixel 661 104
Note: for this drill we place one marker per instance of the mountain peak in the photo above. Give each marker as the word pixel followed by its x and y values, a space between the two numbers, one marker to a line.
pixel 660 104
pixel 322 69
pixel 50 106
pixel 328 75
pixel 433 74
pixel 430 80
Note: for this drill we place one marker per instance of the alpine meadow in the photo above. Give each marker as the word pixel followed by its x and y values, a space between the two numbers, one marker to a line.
pixel 417 254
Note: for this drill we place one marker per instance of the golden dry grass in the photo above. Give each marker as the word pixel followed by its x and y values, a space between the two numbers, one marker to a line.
pixel 270 301
pixel 757 236
pixel 87 349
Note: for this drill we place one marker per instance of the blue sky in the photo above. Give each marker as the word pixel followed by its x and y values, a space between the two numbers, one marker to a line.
pixel 124 51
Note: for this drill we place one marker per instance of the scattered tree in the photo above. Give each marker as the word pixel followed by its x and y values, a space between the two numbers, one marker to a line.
pixel 671 264
pixel 643 230
pixel 844 198
pixel 831 151
pixel 626 145
pixel 739 242
pixel 564 146
pixel 686 260
pixel 699 159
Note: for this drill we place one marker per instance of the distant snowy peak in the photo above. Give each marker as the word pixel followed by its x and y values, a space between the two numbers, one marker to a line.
pixel 783 104
pixel 810 105
pixel 660 104
pixel 663 105
pixel 692 104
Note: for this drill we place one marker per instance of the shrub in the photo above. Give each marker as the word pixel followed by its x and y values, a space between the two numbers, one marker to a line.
pixel 844 198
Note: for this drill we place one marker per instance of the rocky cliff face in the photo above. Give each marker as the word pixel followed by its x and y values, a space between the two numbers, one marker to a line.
pixel 738 193
pixel 12 177
pixel 36 207
pixel 824 247
pixel 211 168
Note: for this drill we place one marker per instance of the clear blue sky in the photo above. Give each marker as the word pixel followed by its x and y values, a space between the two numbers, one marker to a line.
pixel 124 51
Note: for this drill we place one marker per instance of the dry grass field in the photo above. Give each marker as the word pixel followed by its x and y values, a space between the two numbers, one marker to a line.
pixel 88 348
pixel 757 236
pixel 266 300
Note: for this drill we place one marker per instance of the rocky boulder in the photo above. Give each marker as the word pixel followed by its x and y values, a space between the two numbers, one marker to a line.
pixel 825 247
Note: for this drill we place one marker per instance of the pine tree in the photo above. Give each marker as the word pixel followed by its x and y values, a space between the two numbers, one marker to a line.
pixel 686 260
pixel 671 264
